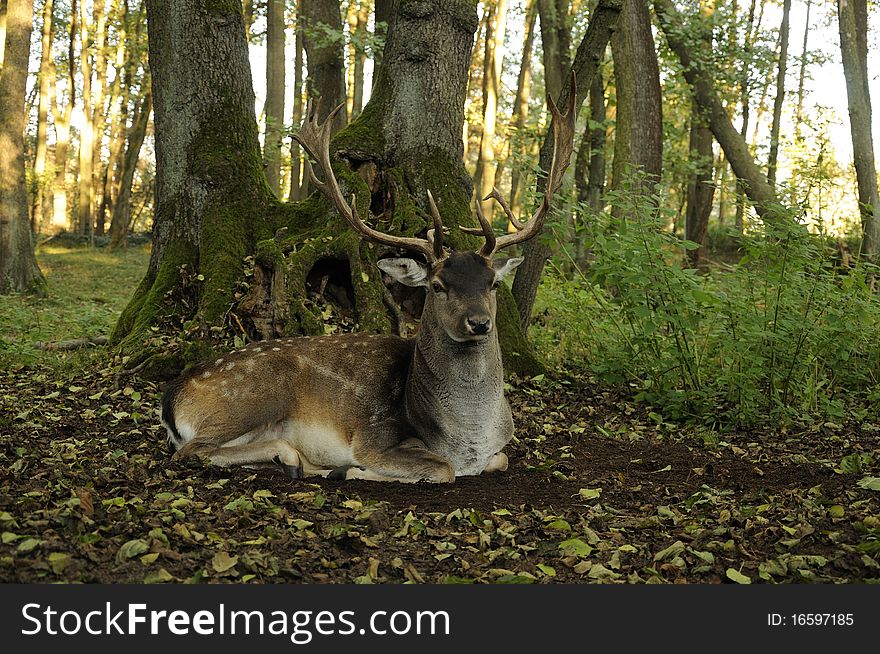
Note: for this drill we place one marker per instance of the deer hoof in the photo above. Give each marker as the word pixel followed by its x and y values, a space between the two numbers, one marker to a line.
pixel 340 473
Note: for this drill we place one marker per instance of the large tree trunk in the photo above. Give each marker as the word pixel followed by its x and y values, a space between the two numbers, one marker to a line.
pixel 274 108
pixel 42 195
pixel 214 209
pixel 638 132
pixel 18 266
pixel 326 68
pixel 734 145
pixel 853 22
pixel 589 55
pixel 780 94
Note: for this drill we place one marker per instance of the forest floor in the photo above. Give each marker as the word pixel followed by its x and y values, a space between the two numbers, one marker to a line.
pixel 599 488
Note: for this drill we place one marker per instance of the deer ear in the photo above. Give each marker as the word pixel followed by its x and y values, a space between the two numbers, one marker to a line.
pixel 506 266
pixel 408 272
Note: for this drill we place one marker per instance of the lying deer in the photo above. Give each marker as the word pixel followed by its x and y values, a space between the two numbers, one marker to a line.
pixel 369 406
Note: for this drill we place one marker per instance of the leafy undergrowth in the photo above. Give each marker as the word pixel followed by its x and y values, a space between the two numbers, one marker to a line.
pixel 598 491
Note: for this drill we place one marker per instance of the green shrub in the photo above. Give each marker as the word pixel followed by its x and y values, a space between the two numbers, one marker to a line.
pixel 785 333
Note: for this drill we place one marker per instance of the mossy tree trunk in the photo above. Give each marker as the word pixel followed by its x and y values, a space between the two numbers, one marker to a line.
pixel 228 257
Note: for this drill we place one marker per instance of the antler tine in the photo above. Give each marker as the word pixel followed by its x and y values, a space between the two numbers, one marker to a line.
pixel 487 232
pixel 314 137
pixel 563 140
pixel 435 236
pixel 506 207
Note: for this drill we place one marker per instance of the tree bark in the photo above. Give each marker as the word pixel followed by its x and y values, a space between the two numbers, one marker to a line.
pixel 780 94
pixel 735 149
pixel 357 17
pixel 744 103
pixel 42 190
pixel 18 265
pixel 484 177
pixel 701 186
pixel 2 31
pixel 274 108
pixel 381 16
pixel 98 119
pixel 587 60
pixel 326 78
pixel 87 134
pixel 297 178
pixel 121 217
pixel 598 138
pixel 62 120
pixel 555 44
pixel 852 18
pixel 638 132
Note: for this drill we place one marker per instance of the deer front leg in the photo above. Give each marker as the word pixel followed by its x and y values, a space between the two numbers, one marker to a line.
pixel 274 450
pixel 409 461
pixel 497 463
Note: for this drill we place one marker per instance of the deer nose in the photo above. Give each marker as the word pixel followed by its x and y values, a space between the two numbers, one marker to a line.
pixel 479 326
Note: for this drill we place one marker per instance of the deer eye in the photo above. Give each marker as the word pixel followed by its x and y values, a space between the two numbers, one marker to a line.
pixel 437 287
pixel 495 285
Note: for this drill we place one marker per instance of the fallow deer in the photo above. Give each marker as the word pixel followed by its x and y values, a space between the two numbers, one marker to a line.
pixel 364 406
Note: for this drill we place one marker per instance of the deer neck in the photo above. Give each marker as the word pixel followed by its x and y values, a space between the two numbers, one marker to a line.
pixel 444 367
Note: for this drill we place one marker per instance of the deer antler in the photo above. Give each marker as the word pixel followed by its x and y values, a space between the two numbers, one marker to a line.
pixel 563 140
pixel 314 137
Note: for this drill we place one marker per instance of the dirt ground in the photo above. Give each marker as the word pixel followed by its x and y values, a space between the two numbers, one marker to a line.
pixel 598 490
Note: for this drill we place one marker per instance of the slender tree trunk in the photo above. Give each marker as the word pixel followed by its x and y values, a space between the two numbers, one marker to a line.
pixel 852 18
pixel 521 107
pixel 638 137
pixel 62 120
pixel 484 178
pixel 122 207
pixel 799 113
pixel 598 138
pixel 780 94
pixel 249 12
pixel 748 45
pixel 722 189
pixel 98 120
pixel 87 135
pixel 326 68
pixel 2 31
pixel 18 265
pixel 275 89
pixel 589 170
pixel 735 149
pixel 360 58
pixel 42 196
pixel 701 187
pixel 556 44
pixel 587 59
pixel 297 179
